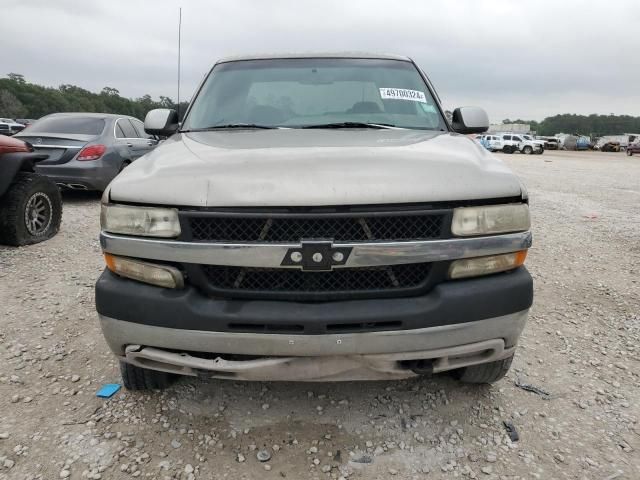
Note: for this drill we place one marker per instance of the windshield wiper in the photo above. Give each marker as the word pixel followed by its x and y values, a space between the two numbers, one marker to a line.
pixel 229 126
pixel 350 125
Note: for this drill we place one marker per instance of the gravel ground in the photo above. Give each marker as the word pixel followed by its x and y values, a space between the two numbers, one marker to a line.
pixel 581 346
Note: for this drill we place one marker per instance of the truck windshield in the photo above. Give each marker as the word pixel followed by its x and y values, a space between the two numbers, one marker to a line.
pixel 297 93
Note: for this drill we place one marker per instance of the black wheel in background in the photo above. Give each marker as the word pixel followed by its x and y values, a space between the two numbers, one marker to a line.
pixel 30 210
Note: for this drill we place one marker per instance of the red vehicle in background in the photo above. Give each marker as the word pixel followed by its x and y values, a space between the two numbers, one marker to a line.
pixel 30 204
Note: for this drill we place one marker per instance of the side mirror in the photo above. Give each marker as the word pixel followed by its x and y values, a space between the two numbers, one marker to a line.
pixel 470 120
pixel 161 121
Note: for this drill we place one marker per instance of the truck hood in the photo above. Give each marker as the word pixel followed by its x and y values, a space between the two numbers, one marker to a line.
pixel 294 167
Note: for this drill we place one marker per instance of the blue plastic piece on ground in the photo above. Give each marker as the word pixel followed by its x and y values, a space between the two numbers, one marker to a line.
pixel 108 390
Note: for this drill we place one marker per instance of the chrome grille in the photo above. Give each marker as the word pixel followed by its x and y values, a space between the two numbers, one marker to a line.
pixel 419 226
pixel 340 224
pixel 296 281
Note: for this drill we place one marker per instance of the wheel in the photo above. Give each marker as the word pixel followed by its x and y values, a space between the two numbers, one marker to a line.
pixel 485 372
pixel 30 210
pixel 137 378
pixel 629 153
pixel 527 149
pixel 540 152
pixel 507 149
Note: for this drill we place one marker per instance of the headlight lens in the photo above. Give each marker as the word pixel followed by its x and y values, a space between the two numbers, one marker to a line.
pixel 144 221
pixel 468 221
pixel 474 267
pixel 159 275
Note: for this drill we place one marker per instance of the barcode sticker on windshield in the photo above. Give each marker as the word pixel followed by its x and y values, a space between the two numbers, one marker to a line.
pixel 403 94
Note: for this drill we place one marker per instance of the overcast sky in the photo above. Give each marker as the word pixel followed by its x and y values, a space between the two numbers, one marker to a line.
pixel 514 58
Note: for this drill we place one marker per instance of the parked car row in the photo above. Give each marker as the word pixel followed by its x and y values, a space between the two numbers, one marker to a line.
pixel 525 143
pixel 511 143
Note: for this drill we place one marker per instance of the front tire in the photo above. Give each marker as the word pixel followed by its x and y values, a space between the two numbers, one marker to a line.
pixel 137 378
pixel 629 153
pixel 30 210
pixel 485 372
pixel 527 149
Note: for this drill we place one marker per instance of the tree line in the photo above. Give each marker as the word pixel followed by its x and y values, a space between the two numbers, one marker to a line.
pixel 590 125
pixel 21 99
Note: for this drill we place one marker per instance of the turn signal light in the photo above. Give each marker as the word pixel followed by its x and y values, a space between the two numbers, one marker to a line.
pixel 92 152
pixel 159 275
pixel 474 267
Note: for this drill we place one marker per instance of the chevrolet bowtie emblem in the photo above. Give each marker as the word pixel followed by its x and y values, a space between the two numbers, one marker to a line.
pixel 317 255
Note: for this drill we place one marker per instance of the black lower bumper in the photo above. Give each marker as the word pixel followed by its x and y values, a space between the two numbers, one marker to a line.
pixel 448 303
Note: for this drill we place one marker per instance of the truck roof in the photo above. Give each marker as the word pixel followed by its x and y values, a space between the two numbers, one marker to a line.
pixel 269 56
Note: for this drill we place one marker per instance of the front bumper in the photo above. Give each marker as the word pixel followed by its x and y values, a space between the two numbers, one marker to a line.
pixel 362 356
pixel 188 309
pixel 371 366
pixel 182 331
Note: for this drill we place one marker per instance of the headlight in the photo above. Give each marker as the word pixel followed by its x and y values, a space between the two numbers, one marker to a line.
pixel 491 219
pixel 144 221
pixel 159 275
pixel 473 267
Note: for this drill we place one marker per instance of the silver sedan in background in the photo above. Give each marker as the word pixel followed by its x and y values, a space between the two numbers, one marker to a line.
pixel 87 150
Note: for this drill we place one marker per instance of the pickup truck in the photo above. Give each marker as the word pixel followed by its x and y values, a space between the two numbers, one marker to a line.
pixel 314 218
pixel 549 143
pixel 537 145
pixel 512 143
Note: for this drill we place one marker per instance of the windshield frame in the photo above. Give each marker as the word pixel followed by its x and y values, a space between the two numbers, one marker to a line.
pixel 425 80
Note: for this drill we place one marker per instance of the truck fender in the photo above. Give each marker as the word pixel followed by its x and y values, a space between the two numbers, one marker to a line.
pixel 12 163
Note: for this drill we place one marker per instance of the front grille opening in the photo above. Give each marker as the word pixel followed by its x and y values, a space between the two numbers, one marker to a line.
pixel 419 226
pixel 368 326
pixel 224 356
pixel 339 280
pixel 265 327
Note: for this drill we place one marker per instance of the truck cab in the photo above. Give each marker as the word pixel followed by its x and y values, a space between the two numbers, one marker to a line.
pixel 314 218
